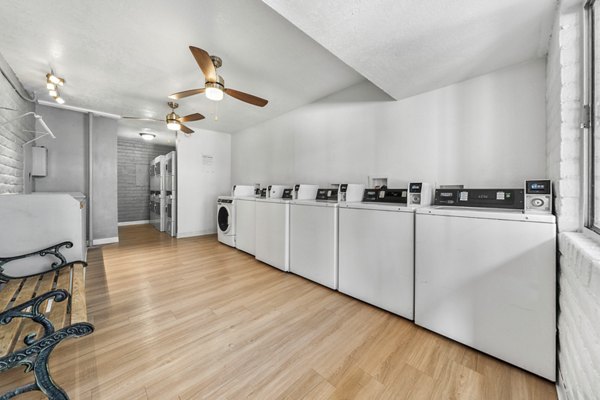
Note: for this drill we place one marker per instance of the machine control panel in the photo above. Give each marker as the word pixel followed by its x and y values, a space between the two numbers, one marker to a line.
pixel 399 196
pixel 224 201
pixel 538 196
pixel 288 193
pixel 486 198
pixel 327 194
pixel 419 194
pixel 263 193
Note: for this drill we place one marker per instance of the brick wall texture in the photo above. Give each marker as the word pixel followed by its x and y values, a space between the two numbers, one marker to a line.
pixel 134 156
pixel 13 135
pixel 579 258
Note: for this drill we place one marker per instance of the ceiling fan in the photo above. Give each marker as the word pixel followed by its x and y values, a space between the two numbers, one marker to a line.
pixel 174 121
pixel 214 85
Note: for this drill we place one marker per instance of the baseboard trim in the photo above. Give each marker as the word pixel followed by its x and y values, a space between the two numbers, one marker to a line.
pixel 98 242
pixel 142 222
pixel 181 235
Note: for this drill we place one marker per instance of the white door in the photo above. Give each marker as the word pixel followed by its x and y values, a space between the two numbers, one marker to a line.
pixel 245 225
pixel 377 258
pixel 313 243
pixel 490 284
pixel 272 234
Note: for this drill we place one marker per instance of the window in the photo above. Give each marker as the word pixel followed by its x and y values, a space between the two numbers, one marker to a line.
pixel 592 109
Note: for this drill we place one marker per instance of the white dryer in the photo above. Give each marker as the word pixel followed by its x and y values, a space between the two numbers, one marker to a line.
pixel 314 237
pixel 376 246
pixel 486 275
pixel 226 220
pixel 272 244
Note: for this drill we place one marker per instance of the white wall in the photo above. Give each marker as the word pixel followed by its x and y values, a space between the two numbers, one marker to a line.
pixel 198 184
pixel 487 131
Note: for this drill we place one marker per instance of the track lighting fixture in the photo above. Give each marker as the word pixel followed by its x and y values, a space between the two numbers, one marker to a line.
pixel 52 83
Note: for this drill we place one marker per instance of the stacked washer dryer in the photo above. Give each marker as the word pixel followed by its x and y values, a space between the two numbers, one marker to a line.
pixel 171 193
pixel 376 245
pixel 226 214
pixel 314 237
pixel 486 272
pixel 158 193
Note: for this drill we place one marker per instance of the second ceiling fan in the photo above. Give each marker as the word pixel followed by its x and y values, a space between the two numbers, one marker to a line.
pixel 214 85
pixel 174 121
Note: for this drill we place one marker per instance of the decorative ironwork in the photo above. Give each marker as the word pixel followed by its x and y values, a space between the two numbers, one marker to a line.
pixel 35 356
pixel 50 251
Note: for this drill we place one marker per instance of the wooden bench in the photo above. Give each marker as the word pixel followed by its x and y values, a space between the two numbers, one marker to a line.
pixel 37 312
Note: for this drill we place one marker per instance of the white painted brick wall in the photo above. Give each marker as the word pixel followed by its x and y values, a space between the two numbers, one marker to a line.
pixel 579 322
pixel 579 276
pixel 12 136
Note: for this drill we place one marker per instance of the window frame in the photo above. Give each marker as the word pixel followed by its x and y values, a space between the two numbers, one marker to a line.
pixel 588 117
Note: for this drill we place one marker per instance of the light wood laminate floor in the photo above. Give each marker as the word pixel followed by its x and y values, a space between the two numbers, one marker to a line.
pixel 194 319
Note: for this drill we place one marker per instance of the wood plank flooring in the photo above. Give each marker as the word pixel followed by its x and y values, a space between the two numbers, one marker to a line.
pixel 193 319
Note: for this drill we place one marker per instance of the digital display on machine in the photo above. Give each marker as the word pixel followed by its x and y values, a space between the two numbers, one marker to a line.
pixel 263 192
pixel 537 187
pixel 343 187
pixel 287 194
pixel 415 187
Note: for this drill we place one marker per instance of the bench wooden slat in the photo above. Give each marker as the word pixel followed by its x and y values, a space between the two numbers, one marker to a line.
pixel 8 332
pixel 28 326
pixel 7 292
pixel 78 302
pixel 58 313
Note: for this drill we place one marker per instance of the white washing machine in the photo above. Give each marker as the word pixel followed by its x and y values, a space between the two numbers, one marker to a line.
pixel 376 246
pixel 245 218
pixel 226 214
pixel 226 220
pixel 485 275
pixel 314 237
pixel 273 229
pixel 170 214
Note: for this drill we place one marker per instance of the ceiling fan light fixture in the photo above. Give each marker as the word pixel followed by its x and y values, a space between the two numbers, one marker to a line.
pixel 53 93
pixel 147 136
pixel 214 93
pixel 50 86
pixel 59 100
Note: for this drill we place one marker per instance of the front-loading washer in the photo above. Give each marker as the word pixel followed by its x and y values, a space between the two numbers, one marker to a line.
pixel 226 220
pixel 485 275
pixel 376 249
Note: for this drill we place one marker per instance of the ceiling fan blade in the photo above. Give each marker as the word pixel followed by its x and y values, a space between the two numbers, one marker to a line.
pixel 191 117
pixel 248 98
pixel 185 129
pixel 144 119
pixel 205 63
pixel 186 93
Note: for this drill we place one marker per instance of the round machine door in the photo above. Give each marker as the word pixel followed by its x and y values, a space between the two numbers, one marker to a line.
pixel 223 219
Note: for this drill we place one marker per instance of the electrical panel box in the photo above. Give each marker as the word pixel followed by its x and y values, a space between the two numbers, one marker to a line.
pixel 39 161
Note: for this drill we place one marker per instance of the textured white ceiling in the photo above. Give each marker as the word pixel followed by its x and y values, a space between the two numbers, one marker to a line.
pixel 409 47
pixel 125 57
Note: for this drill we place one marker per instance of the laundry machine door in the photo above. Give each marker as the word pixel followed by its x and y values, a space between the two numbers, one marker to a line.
pixel 224 219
